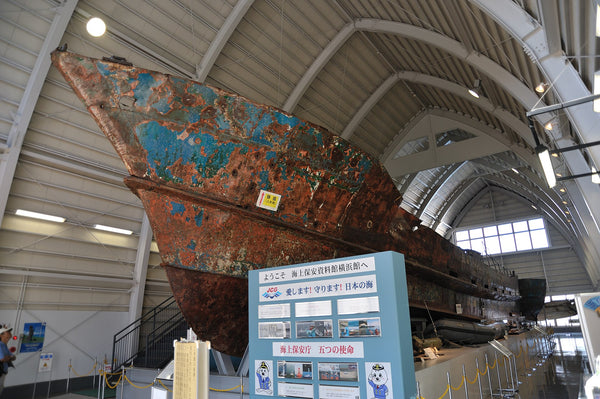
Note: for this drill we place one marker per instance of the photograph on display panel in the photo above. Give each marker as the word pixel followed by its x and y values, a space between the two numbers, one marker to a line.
pixel 296 370
pixel 338 371
pixel 314 329
pixel 364 327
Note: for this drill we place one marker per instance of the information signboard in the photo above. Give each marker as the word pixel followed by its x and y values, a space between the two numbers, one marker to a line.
pixel 336 329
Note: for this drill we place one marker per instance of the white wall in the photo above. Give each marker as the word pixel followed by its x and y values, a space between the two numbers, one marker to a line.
pixel 80 336
pixel 559 265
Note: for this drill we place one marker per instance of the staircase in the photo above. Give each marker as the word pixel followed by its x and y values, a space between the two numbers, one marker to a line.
pixel 148 341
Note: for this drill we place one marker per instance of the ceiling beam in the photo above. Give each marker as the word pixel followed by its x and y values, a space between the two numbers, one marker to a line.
pixel 549 14
pixel 140 271
pixel 220 40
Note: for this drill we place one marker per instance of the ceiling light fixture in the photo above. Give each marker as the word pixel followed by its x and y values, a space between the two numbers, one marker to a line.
pixel 541 87
pixel 42 216
pixel 542 150
pixel 475 90
pixel 548 126
pixel 96 27
pixel 544 156
pixel 112 229
pixel 595 176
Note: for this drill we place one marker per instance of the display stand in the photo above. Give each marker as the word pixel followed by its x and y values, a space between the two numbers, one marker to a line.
pixel 332 330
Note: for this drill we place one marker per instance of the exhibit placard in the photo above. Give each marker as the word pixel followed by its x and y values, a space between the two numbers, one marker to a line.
pixel 321 330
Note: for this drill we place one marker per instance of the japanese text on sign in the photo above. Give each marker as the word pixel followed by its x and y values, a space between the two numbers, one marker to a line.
pixel 319 349
pixel 268 200
pixel 322 288
pixel 329 269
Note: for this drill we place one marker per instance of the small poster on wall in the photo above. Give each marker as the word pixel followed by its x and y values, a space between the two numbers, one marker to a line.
pixel 32 338
pixel 379 377
pixel 264 377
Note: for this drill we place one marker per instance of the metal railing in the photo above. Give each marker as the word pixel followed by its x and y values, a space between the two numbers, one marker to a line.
pixel 148 341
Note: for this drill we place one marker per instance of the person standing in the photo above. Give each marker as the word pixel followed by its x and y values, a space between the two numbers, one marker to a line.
pixel 6 357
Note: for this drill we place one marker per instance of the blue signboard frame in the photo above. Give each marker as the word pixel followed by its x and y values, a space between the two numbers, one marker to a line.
pixel 338 314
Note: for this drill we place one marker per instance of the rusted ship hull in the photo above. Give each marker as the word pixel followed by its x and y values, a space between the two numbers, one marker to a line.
pixel 198 159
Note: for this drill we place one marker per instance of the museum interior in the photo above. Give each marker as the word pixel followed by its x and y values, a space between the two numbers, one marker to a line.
pixel 283 198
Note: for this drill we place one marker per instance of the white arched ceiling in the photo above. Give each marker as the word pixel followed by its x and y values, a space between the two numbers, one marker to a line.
pixel 482 63
pixel 568 85
pixel 415 77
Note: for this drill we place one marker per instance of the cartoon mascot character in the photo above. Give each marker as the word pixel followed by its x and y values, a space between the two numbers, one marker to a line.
pixel 377 379
pixel 264 381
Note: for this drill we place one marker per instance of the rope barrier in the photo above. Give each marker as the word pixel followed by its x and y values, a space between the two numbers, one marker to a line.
pixel 124 376
pixel 164 386
pixel 224 390
pixel 462 381
pixel 444 394
pixel 484 373
pixel 475 380
pixel 84 375
pixel 135 386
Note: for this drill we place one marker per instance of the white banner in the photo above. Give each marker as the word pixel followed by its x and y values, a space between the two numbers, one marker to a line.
pixel 319 349
pixel 316 289
pixel 319 270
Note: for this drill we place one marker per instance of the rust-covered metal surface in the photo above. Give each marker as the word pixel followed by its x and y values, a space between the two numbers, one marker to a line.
pixel 198 158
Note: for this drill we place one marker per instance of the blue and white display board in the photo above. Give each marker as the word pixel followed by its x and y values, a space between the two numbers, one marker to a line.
pixel 337 329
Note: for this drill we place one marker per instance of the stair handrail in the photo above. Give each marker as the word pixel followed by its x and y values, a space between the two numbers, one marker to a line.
pixel 135 327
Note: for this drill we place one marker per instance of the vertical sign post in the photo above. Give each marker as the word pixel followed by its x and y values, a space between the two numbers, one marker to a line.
pixel 334 329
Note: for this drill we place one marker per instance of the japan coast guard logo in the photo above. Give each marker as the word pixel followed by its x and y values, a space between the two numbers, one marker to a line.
pixel 378 379
pixel 263 379
pixel 271 293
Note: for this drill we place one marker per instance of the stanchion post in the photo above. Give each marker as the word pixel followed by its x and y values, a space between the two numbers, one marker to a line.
pixel 516 373
pixel 103 383
pixel 68 376
pixel 498 372
pixel 99 385
pixel 466 382
pixel 418 391
pixel 506 372
pixel 122 380
pixel 478 379
pixel 489 371
pixel 449 385
pixel 512 381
